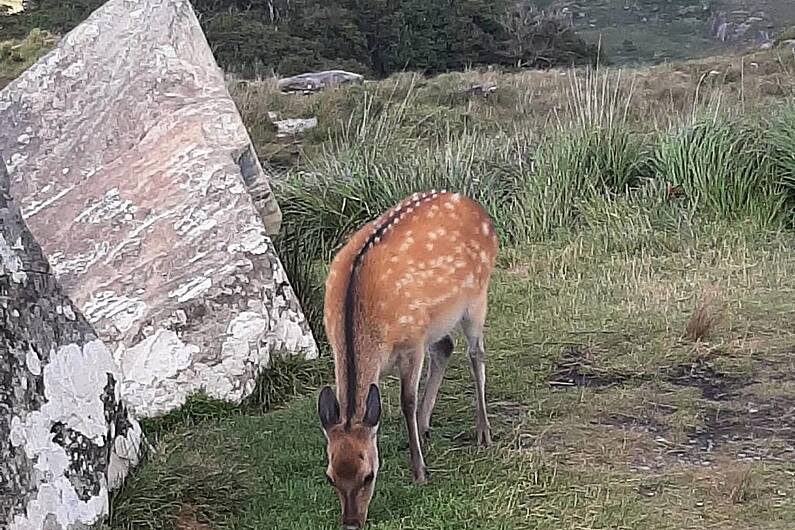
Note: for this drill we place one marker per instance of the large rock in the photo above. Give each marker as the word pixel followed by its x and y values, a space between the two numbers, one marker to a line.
pixel 316 81
pixel 131 164
pixel 65 438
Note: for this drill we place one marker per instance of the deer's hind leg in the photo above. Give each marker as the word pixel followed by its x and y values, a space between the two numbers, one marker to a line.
pixel 472 324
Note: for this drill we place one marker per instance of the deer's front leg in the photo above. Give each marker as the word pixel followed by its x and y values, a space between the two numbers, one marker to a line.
pixel 409 388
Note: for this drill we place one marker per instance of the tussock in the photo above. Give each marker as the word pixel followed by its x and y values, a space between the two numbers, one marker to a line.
pixel 706 316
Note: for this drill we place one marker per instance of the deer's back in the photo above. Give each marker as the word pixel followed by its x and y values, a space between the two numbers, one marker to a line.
pixel 424 262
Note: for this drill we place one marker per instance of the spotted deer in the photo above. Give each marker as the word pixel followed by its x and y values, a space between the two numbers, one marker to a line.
pixel 399 287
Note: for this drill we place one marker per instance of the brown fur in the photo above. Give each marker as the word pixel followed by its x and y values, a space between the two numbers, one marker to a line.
pixel 424 266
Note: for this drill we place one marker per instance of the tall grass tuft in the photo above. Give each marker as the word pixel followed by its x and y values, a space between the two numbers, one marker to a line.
pixel 782 143
pixel 593 153
pixel 589 167
pixel 725 169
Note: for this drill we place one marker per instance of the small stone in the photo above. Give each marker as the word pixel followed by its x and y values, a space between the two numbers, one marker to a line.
pixel 316 81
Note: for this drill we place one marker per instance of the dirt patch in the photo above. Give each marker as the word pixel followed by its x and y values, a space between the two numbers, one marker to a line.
pixel 776 365
pixel 508 411
pixel 630 422
pixel 763 431
pixel 577 368
pixel 188 519
pixel 713 384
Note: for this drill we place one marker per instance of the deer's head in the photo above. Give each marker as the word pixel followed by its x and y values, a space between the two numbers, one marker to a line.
pixel 352 450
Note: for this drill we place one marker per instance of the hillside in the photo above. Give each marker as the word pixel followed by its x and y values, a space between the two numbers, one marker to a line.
pixel 642 31
pixel 380 38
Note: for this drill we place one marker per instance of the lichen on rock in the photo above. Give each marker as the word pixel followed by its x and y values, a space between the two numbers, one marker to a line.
pixel 66 439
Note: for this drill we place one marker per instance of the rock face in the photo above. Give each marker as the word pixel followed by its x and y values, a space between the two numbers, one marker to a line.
pixel 741 26
pixel 316 81
pixel 135 173
pixel 65 438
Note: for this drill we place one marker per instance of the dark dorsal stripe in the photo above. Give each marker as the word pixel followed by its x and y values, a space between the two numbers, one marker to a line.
pixel 350 295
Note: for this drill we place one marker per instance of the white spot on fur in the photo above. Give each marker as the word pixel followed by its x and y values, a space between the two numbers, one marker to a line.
pixel 485 228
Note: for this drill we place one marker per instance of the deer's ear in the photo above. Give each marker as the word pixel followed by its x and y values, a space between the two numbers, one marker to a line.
pixel 328 408
pixel 372 411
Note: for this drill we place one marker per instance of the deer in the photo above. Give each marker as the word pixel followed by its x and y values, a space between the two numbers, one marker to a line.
pixel 394 293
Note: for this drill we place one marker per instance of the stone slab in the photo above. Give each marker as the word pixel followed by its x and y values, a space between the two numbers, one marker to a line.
pixel 66 439
pixel 135 173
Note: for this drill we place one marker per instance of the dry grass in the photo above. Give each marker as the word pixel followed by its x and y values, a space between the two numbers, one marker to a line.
pixel 708 314
pixel 653 98
pixel 188 519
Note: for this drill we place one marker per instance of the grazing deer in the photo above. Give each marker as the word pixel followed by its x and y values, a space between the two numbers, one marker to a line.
pixel 399 285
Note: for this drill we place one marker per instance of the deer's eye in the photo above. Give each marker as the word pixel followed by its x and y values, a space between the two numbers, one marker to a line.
pixel 369 478
pixel 329 480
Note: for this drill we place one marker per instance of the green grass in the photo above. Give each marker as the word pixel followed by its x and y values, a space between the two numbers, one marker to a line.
pixel 563 457
pixel 617 223
pixel 18 55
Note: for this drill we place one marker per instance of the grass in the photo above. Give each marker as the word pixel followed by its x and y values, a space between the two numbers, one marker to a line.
pixel 627 450
pixel 16 56
pixel 525 106
pixel 639 346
